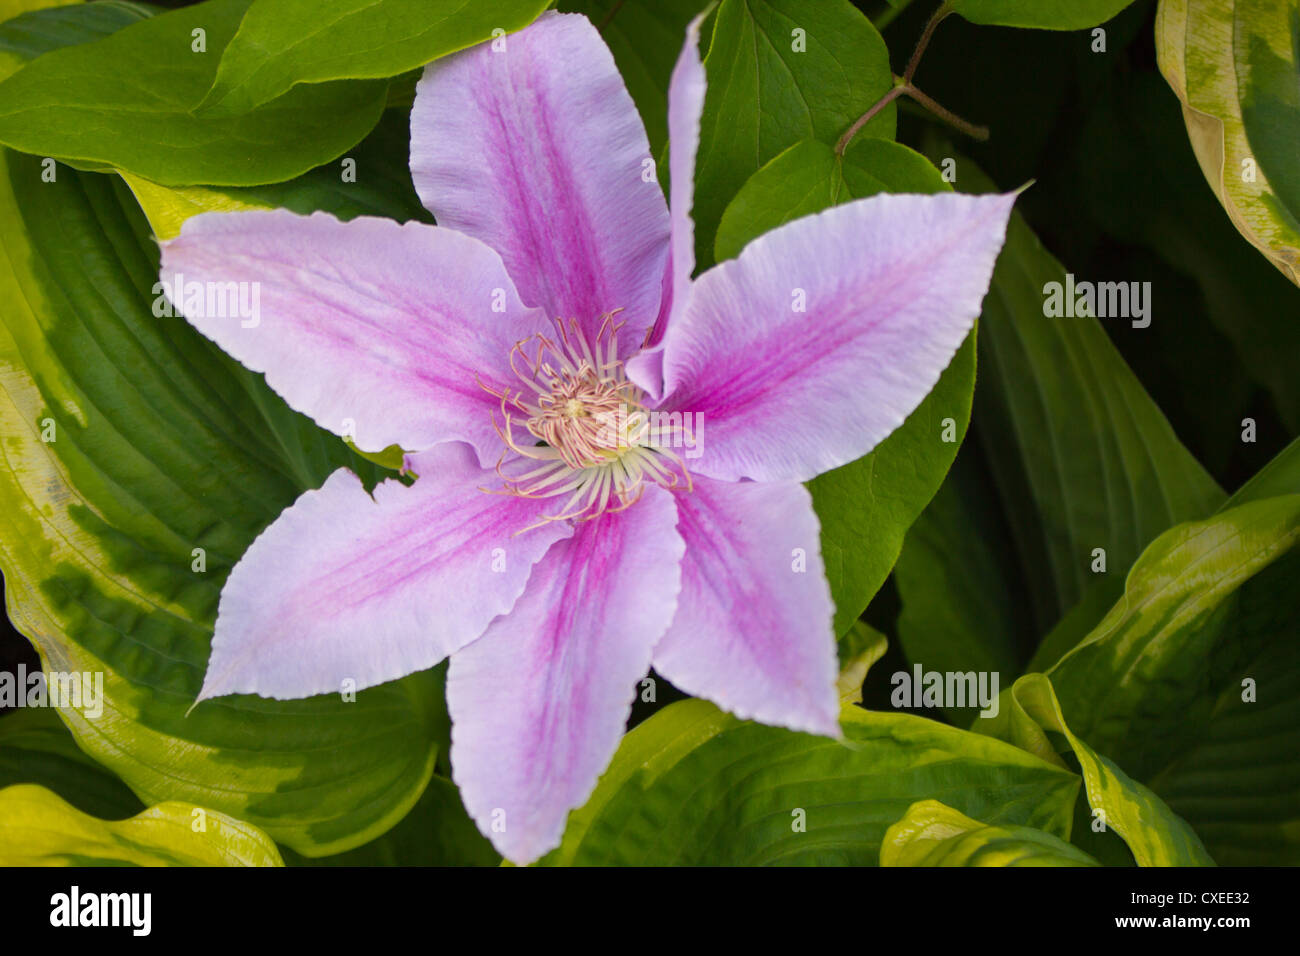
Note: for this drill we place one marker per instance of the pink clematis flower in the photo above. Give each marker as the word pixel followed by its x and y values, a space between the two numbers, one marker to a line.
pixel 555 545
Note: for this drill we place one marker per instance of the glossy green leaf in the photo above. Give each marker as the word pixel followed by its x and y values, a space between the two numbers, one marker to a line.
pixel 1041 14
pixel 1154 833
pixel 781 71
pixel 932 834
pixel 156 445
pixel 38 828
pixel 865 507
pixel 1234 66
pixel 75 104
pixel 1200 661
pixel 694 785
pixel 283 43
pixel 36 748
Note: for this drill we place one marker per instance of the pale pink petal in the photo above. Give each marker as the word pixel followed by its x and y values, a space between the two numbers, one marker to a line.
pixel 819 340
pixel 375 330
pixel 685 105
pixel 345 588
pixel 539 702
pixel 537 149
pixel 753 631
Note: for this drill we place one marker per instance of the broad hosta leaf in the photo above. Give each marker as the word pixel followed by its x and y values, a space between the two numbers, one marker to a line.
pixel 781 71
pixel 865 507
pixel 1200 661
pixel 932 834
pixel 437 832
pixel 1083 457
pixel 76 104
pixel 955 577
pixel 1042 14
pixel 1233 64
pixel 1281 476
pixel 645 37
pixel 29 34
pixel 282 43
pixel 693 785
pixel 36 748
pixel 159 445
pixel 1154 833
pixel 38 828
pixel 858 649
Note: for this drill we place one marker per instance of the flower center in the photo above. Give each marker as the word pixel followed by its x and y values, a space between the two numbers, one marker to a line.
pixel 593 440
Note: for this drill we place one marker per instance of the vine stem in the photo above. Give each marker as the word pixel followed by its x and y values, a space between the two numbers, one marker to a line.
pixel 604 22
pixel 980 133
pixel 933 24
pixel 903 86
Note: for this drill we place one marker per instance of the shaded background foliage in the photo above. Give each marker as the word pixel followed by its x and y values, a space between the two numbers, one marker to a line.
pixel 985 579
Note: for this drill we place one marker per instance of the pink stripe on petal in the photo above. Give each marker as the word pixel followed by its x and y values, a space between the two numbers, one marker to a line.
pixel 539 702
pixel 753 628
pixel 685 106
pixel 537 149
pixel 807 350
pixel 342 587
pixel 376 330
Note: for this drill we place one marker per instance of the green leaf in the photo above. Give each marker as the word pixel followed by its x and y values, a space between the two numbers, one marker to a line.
pixel 437 832
pixel 865 507
pixel 764 96
pixel 693 785
pixel 1083 457
pixel 1040 14
pixel 1209 606
pixel 38 828
pixel 36 748
pixel 1154 833
pixel 955 576
pixel 1251 301
pixel 382 188
pixel 932 834
pixel 73 104
pixel 858 649
pixel 1281 476
pixel 158 444
pixel 34 32
pixel 1233 64
pixel 283 43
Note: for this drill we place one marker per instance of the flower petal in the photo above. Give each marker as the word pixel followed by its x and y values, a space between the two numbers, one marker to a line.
pixel 753 631
pixel 342 587
pixel 685 105
pixel 806 351
pixel 539 702
pixel 375 330
pixel 532 144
